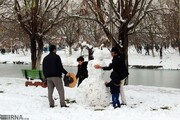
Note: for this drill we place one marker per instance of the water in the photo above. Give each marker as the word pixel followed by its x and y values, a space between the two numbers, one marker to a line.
pixel 146 77
pixel 14 70
pixel 155 77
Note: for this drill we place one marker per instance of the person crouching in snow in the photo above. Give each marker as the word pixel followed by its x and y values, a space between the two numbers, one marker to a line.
pixel 82 71
pixel 115 93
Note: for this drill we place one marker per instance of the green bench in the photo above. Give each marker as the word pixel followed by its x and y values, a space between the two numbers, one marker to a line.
pixel 31 74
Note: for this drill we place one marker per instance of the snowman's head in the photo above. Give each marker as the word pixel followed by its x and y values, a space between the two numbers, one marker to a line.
pixel 98 54
pixel 92 70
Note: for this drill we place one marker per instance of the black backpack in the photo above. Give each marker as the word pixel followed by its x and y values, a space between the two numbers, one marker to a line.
pixel 67 80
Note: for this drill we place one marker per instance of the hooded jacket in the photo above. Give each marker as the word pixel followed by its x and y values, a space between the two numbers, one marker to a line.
pixel 82 72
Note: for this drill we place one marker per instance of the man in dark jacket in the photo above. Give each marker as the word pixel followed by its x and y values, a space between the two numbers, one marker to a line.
pixel 82 72
pixel 119 73
pixel 52 70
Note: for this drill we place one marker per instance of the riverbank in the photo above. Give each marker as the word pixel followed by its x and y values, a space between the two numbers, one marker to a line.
pixel 170 59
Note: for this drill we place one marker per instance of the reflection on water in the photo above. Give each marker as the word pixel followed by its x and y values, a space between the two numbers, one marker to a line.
pixel 11 70
pixel 14 70
pixel 160 78
pixel 155 77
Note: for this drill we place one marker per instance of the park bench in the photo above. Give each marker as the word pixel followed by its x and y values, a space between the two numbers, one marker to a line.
pixel 34 77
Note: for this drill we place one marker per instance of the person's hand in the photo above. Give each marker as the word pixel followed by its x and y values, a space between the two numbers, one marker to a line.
pixel 68 74
pixel 105 83
pixel 98 66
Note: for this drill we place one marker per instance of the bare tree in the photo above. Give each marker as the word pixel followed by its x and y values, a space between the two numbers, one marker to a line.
pixel 1 2
pixel 89 31
pixel 37 18
pixel 13 33
pixel 160 26
pixel 69 30
pixel 174 24
pixel 125 16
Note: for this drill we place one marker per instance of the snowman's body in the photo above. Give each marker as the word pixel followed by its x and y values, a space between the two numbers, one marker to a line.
pixel 92 91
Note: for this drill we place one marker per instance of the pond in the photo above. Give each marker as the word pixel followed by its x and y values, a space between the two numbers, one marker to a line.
pixel 146 77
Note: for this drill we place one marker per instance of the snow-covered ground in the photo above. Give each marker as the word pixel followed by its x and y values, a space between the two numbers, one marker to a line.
pixel 143 103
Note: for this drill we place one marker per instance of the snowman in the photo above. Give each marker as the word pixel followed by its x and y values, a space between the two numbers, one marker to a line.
pixel 92 92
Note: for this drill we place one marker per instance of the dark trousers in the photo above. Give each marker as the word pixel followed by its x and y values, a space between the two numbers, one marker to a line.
pixel 115 100
pixel 80 81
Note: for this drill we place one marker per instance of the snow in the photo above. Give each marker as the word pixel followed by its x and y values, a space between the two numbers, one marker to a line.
pixel 90 92
pixel 143 102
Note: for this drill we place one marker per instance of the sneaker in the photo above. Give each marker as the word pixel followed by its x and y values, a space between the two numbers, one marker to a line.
pixel 64 106
pixel 52 106
pixel 123 104
pixel 117 107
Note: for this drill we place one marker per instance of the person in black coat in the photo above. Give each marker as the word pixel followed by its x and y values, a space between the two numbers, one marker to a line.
pixel 119 73
pixel 82 71
pixel 52 70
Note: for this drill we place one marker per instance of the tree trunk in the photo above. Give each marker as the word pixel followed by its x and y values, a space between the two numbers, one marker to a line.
pixel 70 49
pixel 179 44
pixel 90 54
pixel 123 37
pixel 33 52
pixel 153 55
pixel 39 52
pixel 160 51
pixel 152 49
pixel 81 51
pixel 152 43
pixel 36 53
